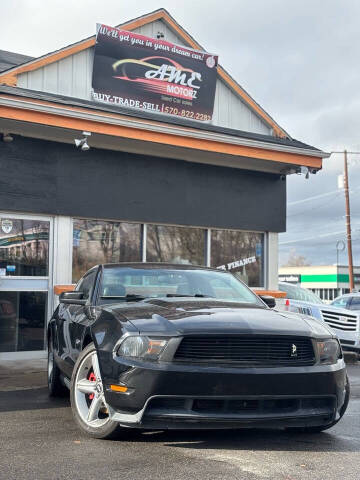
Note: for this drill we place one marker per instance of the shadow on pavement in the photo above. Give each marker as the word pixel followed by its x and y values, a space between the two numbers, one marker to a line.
pixel 257 439
pixel 231 440
pixel 30 399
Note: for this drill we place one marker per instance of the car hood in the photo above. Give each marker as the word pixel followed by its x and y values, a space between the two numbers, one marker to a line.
pixel 184 316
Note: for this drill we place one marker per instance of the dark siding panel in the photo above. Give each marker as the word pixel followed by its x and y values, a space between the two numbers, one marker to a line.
pixel 53 178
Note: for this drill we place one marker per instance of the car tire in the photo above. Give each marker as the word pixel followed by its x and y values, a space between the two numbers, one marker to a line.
pixel 322 428
pixel 56 388
pixel 93 420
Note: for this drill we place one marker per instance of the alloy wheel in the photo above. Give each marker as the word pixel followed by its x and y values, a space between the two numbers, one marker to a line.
pixel 89 393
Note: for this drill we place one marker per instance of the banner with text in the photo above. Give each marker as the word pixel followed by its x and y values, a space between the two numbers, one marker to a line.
pixel 134 71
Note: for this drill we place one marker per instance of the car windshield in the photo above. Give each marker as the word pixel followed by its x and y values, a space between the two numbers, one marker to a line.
pixel 130 283
pixel 298 293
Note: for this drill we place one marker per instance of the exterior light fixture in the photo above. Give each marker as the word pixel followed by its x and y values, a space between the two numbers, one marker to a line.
pixel 82 142
pixel 7 137
pixel 160 35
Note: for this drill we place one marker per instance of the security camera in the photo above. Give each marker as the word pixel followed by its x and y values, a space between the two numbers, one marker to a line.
pixel 305 171
pixel 82 142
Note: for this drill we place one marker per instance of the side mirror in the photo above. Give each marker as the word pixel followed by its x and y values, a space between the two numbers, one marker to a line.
pixel 73 298
pixel 270 301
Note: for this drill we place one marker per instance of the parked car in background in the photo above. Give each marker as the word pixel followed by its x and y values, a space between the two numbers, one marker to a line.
pixel 350 301
pixel 158 346
pixel 344 323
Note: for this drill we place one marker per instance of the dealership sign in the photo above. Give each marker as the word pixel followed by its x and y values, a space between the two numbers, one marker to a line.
pixel 238 263
pixel 134 71
pixel 6 225
pixel 290 278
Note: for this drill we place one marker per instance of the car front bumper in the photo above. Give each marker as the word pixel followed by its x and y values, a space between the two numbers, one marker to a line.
pixel 350 341
pixel 173 395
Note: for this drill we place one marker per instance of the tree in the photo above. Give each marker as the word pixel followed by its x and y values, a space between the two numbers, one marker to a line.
pixel 296 260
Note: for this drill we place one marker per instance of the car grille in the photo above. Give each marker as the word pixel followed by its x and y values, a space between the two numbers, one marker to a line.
pixel 340 321
pixel 347 342
pixel 247 349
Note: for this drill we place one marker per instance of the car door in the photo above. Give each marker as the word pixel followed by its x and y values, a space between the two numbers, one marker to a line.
pixel 72 321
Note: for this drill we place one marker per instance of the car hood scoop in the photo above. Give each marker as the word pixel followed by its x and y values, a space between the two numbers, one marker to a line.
pixel 197 303
pixel 175 316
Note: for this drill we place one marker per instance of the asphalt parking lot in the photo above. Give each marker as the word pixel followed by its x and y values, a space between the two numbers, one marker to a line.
pixel 39 440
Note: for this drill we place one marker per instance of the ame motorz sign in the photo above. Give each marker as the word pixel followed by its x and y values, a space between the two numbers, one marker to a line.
pixel 134 71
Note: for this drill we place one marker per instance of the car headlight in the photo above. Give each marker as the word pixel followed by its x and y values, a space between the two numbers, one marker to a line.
pixel 329 351
pixel 142 347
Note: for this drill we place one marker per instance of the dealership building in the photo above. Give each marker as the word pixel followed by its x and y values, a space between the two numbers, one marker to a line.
pixel 180 180
pixel 327 281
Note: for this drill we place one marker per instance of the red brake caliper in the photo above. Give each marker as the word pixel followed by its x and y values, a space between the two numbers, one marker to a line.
pixel 92 378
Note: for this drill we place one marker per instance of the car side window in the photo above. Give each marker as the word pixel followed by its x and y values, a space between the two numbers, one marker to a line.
pixel 354 303
pixel 86 284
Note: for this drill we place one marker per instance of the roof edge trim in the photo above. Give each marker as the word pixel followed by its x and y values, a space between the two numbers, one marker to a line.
pixel 75 115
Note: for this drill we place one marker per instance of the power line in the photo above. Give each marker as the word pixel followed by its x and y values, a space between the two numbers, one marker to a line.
pixel 322 195
pixel 342 152
pixel 341 232
pixel 326 203
pixel 355 191
pixel 356 228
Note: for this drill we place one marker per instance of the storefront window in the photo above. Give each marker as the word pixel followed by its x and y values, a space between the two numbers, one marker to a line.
pixel 97 241
pixel 175 244
pixel 22 321
pixel 24 247
pixel 241 253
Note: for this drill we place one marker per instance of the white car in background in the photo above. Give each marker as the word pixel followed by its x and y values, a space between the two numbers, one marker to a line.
pixel 349 301
pixel 345 323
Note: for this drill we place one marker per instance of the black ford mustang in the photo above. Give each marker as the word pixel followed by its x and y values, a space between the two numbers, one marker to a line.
pixel 158 346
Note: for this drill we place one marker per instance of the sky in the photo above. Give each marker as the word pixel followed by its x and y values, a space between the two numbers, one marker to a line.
pixel 299 59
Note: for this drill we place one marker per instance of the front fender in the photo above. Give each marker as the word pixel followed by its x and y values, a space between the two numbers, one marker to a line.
pixel 108 328
pixel 106 331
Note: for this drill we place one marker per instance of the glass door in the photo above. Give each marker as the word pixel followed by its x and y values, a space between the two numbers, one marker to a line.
pixel 25 281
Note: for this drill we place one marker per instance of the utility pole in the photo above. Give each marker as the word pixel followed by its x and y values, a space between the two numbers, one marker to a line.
pixel 348 222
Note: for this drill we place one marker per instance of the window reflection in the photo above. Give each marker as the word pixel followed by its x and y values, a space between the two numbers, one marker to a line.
pixel 175 245
pixel 241 253
pixel 96 241
pixel 24 247
pixel 22 321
